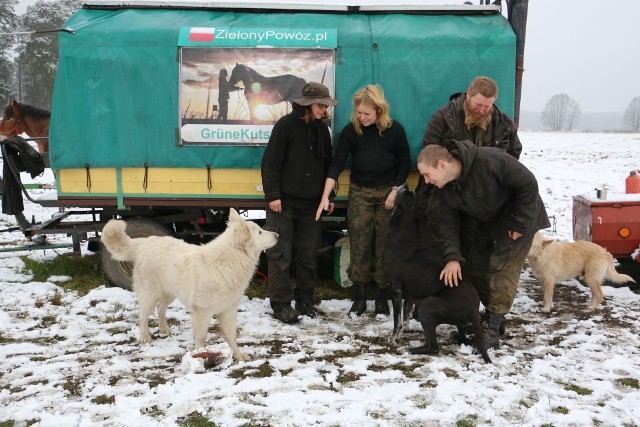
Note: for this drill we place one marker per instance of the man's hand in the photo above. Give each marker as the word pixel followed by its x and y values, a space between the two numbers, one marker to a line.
pixel 514 235
pixel 451 273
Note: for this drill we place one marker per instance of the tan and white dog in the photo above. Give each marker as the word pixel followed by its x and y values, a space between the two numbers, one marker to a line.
pixel 552 262
pixel 209 279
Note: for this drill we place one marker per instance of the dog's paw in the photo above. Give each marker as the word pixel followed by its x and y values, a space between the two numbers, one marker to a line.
pixel 165 330
pixel 546 309
pixel 241 357
pixel 145 337
pixel 423 349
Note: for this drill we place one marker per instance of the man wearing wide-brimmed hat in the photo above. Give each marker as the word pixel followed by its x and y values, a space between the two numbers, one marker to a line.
pixel 294 168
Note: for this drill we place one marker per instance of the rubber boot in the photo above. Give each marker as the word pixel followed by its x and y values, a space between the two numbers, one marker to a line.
pixel 359 299
pixel 382 301
pixel 492 335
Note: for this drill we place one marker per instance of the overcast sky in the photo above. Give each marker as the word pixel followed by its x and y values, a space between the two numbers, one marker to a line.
pixel 584 48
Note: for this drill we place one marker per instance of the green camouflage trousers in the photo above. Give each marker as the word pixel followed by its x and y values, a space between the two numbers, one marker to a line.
pixel 368 226
pixel 496 275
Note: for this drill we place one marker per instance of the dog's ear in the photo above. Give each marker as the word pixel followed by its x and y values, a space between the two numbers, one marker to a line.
pixel 546 243
pixel 234 216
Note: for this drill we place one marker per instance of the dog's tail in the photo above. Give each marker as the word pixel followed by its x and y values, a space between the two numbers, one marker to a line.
pixel 613 275
pixel 479 333
pixel 116 240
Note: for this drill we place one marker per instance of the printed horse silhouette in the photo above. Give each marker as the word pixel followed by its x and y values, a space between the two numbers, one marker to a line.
pixel 259 89
pixel 19 117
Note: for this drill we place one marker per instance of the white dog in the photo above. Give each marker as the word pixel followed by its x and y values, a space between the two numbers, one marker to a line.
pixel 209 279
pixel 552 262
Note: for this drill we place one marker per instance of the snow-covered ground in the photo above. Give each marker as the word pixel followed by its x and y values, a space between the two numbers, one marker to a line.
pixel 78 362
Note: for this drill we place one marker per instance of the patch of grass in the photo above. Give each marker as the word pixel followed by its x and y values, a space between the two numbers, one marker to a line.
pixel 154 411
pixel 468 421
pixel 429 384
pixel 73 386
pixel 115 317
pixel 103 399
pixel 451 373
pixel 628 382
pixel 11 423
pixel 156 380
pixel 347 377
pixel 56 299
pixel 172 321
pixel 84 271
pixel 47 321
pixel 580 390
pixel 524 403
pixel 560 410
pixel 408 370
pixel 195 419
pixel 263 371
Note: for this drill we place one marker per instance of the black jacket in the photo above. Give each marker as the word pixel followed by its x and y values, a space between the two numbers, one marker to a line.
pixel 295 162
pixel 448 123
pixel 493 188
pixel 376 159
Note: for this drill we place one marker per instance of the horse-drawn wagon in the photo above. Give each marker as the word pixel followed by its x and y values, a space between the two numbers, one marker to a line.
pixel 162 109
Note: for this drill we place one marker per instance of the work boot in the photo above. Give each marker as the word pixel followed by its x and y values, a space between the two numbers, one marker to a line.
pixel 359 305
pixel 382 301
pixel 492 334
pixel 485 321
pixel 306 308
pixel 285 313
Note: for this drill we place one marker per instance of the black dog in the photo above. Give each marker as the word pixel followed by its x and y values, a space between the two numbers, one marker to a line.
pixel 413 267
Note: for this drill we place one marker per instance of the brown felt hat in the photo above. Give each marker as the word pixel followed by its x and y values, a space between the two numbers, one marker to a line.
pixel 314 92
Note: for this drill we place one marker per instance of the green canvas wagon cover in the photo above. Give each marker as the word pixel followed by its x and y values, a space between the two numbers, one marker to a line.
pixel 138 101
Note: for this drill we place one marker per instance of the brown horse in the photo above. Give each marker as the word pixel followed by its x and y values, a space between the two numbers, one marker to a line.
pixel 19 117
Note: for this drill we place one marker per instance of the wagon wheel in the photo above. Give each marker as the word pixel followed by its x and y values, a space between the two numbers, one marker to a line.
pixel 119 273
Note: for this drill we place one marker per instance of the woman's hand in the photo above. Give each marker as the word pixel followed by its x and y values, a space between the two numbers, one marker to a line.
pixel 276 205
pixel 325 205
pixel 391 199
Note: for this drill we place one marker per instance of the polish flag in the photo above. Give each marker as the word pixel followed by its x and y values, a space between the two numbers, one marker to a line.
pixel 201 34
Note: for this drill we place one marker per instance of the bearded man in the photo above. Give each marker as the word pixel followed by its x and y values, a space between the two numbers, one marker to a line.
pixel 472 116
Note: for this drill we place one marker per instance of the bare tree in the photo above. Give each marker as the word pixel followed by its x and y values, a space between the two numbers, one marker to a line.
pixel 561 113
pixel 632 115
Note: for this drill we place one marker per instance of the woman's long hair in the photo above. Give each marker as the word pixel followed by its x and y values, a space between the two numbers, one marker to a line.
pixel 304 112
pixel 372 96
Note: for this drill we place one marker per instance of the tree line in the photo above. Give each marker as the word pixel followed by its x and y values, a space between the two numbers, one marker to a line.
pixel 28 64
pixel 562 113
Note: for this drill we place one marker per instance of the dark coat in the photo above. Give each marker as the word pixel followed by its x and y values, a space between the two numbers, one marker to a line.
pixel 448 123
pixel 295 162
pixel 493 188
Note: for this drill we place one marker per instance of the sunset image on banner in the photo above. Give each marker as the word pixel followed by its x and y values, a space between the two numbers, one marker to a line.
pixel 244 91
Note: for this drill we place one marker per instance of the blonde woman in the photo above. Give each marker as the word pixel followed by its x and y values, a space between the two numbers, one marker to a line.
pixel 380 161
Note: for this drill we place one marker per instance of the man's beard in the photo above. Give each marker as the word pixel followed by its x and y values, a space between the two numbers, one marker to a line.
pixel 471 120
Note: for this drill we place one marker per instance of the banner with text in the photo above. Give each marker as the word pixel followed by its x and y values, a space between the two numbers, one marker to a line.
pixel 234 96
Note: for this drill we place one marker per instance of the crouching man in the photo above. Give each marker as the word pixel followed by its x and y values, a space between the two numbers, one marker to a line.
pixel 492 187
